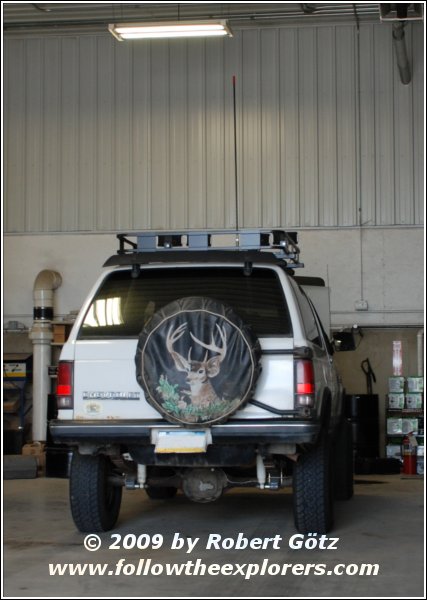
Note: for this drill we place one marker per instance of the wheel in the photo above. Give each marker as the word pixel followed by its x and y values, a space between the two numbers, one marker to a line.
pixel 197 362
pixel 343 462
pixel 161 493
pixel 312 490
pixel 95 502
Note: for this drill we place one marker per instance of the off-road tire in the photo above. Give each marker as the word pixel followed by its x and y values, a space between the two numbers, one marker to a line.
pixel 95 502
pixel 312 490
pixel 343 462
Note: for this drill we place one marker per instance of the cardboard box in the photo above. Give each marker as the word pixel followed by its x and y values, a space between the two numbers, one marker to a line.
pixel 394 426
pixel 414 401
pixel 393 451
pixel 36 449
pixel 415 384
pixel 396 401
pixel 409 426
pixel 33 449
pixel 396 385
pixel 60 332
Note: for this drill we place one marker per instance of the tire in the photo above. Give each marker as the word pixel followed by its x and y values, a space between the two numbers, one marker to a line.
pixel 197 362
pixel 343 462
pixel 161 493
pixel 95 503
pixel 312 490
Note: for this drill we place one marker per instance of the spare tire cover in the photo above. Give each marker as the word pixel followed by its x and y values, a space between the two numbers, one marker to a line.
pixel 197 362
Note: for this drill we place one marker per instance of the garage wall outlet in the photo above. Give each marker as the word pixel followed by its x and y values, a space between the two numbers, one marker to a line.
pixel 361 305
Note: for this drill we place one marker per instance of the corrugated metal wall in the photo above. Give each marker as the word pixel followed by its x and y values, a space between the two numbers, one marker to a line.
pixel 102 135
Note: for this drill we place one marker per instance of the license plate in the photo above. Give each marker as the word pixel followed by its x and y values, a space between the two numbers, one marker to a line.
pixel 181 442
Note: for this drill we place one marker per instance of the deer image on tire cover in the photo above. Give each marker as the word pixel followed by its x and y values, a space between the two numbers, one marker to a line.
pixel 197 362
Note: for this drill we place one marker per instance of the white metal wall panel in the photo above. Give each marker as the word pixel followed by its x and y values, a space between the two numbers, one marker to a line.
pixel 232 66
pixel 88 147
pixel 33 136
pixel 160 148
pixel 367 132
pixel 403 149
pixel 122 199
pixel 51 176
pixel 346 125
pixel 140 143
pixel 102 135
pixel 289 127
pixel 70 132
pixel 105 142
pixel 214 73
pixel 384 127
pixel 270 127
pixel 177 139
pixel 15 121
pixel 196 136
pixel 418 108
pixel 308 167
pixel 327 106
pixel 251 130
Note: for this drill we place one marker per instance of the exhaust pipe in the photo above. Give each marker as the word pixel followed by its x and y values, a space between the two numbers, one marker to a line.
pixel 41 335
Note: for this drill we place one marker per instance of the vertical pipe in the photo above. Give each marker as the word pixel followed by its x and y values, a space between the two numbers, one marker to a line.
pixel 41 335
pixel 401 53
pixel 236 189
pixel 261 472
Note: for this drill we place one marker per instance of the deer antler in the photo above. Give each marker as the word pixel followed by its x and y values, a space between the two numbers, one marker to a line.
pixel 173 336
pixel 213 346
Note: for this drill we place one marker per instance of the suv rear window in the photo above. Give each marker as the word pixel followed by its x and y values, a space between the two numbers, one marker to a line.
pixel 123 305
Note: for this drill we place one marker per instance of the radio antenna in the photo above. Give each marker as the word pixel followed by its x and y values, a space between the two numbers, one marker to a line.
pixel 236 190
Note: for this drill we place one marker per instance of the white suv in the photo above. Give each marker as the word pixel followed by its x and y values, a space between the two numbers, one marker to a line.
pixel 199 365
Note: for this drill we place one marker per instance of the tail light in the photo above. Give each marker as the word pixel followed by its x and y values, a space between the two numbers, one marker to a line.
pixel 304 383
pixel 64 386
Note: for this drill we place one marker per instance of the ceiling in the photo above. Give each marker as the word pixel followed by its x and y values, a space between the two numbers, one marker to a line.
pixel 63 17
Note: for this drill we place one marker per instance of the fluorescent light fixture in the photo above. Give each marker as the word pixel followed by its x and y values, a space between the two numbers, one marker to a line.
pixel 171 29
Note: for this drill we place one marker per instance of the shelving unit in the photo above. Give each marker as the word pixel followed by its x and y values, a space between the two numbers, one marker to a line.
pixel 17 377
pixel 402 420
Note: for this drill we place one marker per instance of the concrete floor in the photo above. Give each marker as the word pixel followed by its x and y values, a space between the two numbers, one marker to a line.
pixel 382 524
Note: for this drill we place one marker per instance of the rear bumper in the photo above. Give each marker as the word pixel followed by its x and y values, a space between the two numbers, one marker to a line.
pixel 138 432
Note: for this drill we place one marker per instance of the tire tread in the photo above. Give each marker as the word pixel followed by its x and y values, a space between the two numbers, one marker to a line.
pixel 313 508
pixel 90 509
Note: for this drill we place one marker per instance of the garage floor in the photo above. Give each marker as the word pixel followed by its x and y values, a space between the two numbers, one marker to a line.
pixel 382 524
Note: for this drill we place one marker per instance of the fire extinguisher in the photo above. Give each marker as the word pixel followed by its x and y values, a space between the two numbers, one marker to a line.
pixel 409 452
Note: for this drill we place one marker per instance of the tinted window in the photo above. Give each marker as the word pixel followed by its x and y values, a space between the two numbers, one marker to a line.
pixel 123 305
pixel 309 320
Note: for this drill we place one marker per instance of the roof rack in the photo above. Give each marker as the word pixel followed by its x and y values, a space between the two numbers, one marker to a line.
pixel 243 245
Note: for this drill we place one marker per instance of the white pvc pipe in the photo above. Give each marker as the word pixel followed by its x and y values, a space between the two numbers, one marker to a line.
pixel 142 475
pixel 41 335
pixel 44 285
pixel 420 352
pixel 260 471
